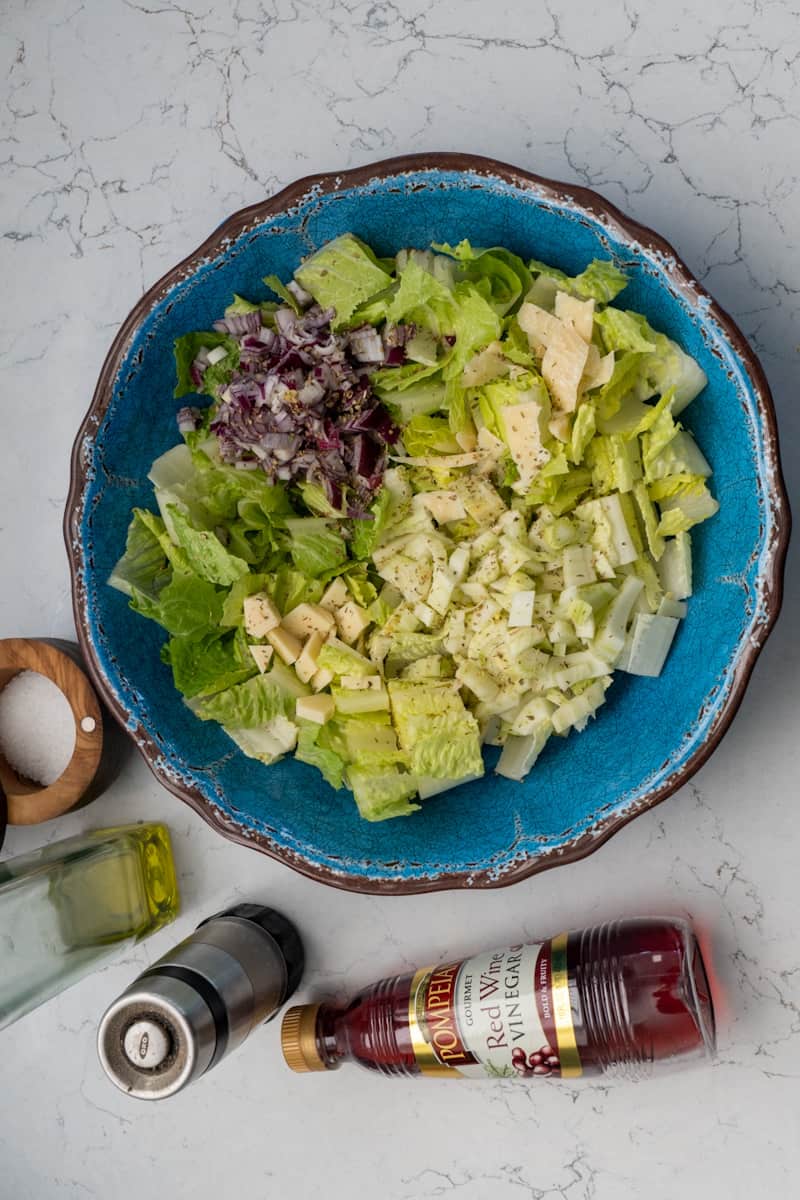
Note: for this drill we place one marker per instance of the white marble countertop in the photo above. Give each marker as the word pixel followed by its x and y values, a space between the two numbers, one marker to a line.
pixel 131 129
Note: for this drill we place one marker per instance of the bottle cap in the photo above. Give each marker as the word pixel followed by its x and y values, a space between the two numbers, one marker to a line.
pixel 299 1039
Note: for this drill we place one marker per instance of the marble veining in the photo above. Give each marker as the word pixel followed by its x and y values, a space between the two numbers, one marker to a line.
pixel 129 131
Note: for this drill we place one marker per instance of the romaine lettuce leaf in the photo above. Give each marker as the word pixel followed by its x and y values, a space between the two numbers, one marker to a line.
pixel 206 555
pixel 429 435
pixel 419 290
pixel 144 565
pixel 247 705
pixel 367 533
pixel 693 504
pixel 382 794
pixel 289 587
pixel 505 274
pixel 342 275
pixel 268 742
pixel 316 547
pixel 201 668
pixel 187 607
pixel 600 281
pixel 312 750
pixel 623 330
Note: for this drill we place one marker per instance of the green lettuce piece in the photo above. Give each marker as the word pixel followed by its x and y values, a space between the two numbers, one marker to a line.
pixel 583 430
pixel 342 275
pixel 316 548
pixel 382 794
pixel 201 668
pixel 367 533
pixel 187 607
pixel 435 728
pixel 372 311
pixel 361 588
pixel 600 281
pixel 652 413
pixel 624 330
pixel 275 285
pixel 247 705
pixel 207 557
pixel 239 305
pixel 496 396
pixel 176 556
pixel 144 565
pixel 268 742
pixel 188 346
pixel 315 498
pixel 370 745
pixel 289 587
pixel 678 455
pixel 675 566
pixel 623 382
pixel 407 647
pixel 516 347
pixel 616 463
pixel 429 435
pixel 506 276
pixel 474 323
pixel 341 659
pixel 649 516
pixel 448 753
pixel 420 297
pixel 173 471
pixel 670 368
pixel 686 509
pixel 311 750
pixel 419 399
pixel 221 488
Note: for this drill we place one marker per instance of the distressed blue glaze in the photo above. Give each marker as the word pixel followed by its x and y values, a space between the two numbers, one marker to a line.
pixel 647 730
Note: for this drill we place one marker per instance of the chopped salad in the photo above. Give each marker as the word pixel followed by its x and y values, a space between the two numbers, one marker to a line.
pixel 420 505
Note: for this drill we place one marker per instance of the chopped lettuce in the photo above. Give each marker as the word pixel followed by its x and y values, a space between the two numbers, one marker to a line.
pixel 313 748
pixel 341 275
pixel 201 668
pixel 247 705
pixel 383 793
pixel 206 555
pixel 144 565
pixel 316 547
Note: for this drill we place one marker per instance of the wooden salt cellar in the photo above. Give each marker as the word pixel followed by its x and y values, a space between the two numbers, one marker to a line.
pixel 28 802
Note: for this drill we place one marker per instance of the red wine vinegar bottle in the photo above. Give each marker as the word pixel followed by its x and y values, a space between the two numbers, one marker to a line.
pixel 617 998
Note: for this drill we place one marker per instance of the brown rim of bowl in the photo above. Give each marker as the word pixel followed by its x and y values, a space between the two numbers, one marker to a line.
pixel 771 582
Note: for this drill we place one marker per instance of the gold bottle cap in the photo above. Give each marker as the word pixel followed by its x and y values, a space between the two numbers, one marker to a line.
pixel 299 1039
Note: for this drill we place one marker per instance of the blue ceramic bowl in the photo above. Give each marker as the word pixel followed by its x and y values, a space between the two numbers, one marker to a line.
pixel 650 736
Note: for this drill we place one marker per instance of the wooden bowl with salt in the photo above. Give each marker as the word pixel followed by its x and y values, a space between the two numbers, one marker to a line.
pixel 35 737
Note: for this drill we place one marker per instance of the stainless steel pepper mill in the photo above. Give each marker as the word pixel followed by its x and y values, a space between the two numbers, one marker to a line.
pixel 200 1001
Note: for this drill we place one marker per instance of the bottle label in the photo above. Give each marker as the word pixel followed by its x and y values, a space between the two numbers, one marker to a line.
pixel 506 1013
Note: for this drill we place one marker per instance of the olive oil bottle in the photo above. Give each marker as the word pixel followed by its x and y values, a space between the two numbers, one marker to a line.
pixel 69 905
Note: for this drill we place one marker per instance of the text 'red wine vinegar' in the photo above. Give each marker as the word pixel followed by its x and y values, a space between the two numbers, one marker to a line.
pixel 618 998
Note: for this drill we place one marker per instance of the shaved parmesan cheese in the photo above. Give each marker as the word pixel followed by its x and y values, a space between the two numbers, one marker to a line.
pixel 562 366
pixel 578 314
pixel 484 367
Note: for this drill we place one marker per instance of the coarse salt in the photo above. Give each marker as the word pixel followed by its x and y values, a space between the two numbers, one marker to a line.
pixel 37 728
